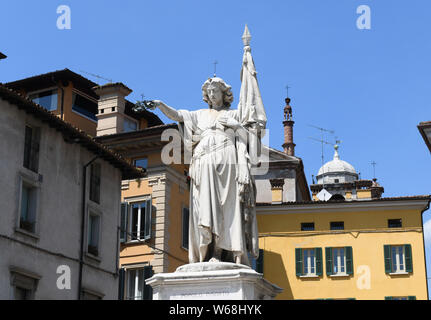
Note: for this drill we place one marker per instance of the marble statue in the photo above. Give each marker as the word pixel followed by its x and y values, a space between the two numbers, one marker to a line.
pixel 223 143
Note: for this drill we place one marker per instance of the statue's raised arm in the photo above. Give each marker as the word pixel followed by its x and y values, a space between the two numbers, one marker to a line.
pixel 170 112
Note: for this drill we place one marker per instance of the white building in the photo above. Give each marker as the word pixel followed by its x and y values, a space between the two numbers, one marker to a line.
pixel 59 233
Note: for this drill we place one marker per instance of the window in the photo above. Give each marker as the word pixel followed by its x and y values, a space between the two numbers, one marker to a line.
pixel 308 262
pixel 47 99
pixel 28 206
pixel 401 298
pixel 395 223
pixel 123 221
pixel 129 125
pixel 87 294
pixel 84 106
pixel 307 226
pixel 309 265
pixel 337 225
pixel 185 233
pixel 336 180
pixel 93 234
pixel 398 259
pixel 339 261
pixel 141 163
pixel 24 284
pixel 95 182
pixel 135 287
pixel 31 148
pixel 136 219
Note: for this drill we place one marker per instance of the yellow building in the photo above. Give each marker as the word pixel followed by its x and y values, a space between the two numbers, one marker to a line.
pixel 372 249
pixel 345 243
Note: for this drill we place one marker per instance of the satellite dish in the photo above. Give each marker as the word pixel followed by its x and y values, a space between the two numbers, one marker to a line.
pixel 324 195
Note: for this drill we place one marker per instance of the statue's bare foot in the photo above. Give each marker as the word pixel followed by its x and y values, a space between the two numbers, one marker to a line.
pixel 214 259
pixel 238 259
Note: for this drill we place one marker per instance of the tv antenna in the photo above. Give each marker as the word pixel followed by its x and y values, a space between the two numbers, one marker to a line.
pixel 374 168
pixel 322 140
pixel 96 76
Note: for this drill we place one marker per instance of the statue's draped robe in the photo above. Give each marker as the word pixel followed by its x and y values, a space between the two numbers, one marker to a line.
pixel 216 203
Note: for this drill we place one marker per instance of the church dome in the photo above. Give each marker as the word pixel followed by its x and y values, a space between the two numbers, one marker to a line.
pixel 336 171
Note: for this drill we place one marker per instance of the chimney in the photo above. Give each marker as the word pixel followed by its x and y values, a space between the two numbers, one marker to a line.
pixel 288 145
pixel 277 190
pixel 111 105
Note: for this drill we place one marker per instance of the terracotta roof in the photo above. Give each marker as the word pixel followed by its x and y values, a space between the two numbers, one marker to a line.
pixel 295 203
pixel 70 133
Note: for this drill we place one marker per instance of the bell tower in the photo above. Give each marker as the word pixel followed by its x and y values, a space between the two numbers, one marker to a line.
pixel 288 145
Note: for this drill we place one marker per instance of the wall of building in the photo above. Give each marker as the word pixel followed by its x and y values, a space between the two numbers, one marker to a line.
pixel 365 231
pixel 58 224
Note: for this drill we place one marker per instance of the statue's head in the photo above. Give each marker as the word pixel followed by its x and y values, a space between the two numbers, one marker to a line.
pixel 215 92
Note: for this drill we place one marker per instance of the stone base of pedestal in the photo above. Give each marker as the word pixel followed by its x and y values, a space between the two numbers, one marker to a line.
pixel 212 281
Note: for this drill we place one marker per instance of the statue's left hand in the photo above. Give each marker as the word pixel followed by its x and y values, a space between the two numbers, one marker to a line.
pixel 229 122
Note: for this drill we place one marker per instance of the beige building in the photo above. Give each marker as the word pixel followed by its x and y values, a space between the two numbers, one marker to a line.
pixel 61 194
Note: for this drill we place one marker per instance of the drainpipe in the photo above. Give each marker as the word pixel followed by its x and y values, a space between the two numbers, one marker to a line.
pixel 84 197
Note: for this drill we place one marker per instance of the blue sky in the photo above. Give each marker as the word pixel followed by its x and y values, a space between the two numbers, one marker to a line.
pixel 372 87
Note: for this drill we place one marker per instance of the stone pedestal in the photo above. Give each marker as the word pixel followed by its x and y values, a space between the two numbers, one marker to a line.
pixel 212 281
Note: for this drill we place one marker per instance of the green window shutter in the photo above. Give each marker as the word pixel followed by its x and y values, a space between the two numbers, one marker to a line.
pixel 349 260
pixel 121 276
pixel 411 298
pixel 186 223
pixel 148 290
pixel 388 298
pixel 123 222
pixel 408 257
pixel 328 254
pixel 319 269
pixel 298 260
pixel 259 262
pixel 388 260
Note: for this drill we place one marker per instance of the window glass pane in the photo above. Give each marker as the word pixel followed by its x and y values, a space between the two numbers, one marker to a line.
pixel 141 163
pixel 139 294
pixel 130 125
pixel 142 222
pixel 312 262
pixel 394 223
pixel 401 258
pixel 46 99
pixel 306 263
pixel 307 226
pixel 131 277
pixel 24 203
pixel 95 182
pixel 342 264
pixel 84 106
pixel 135 218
